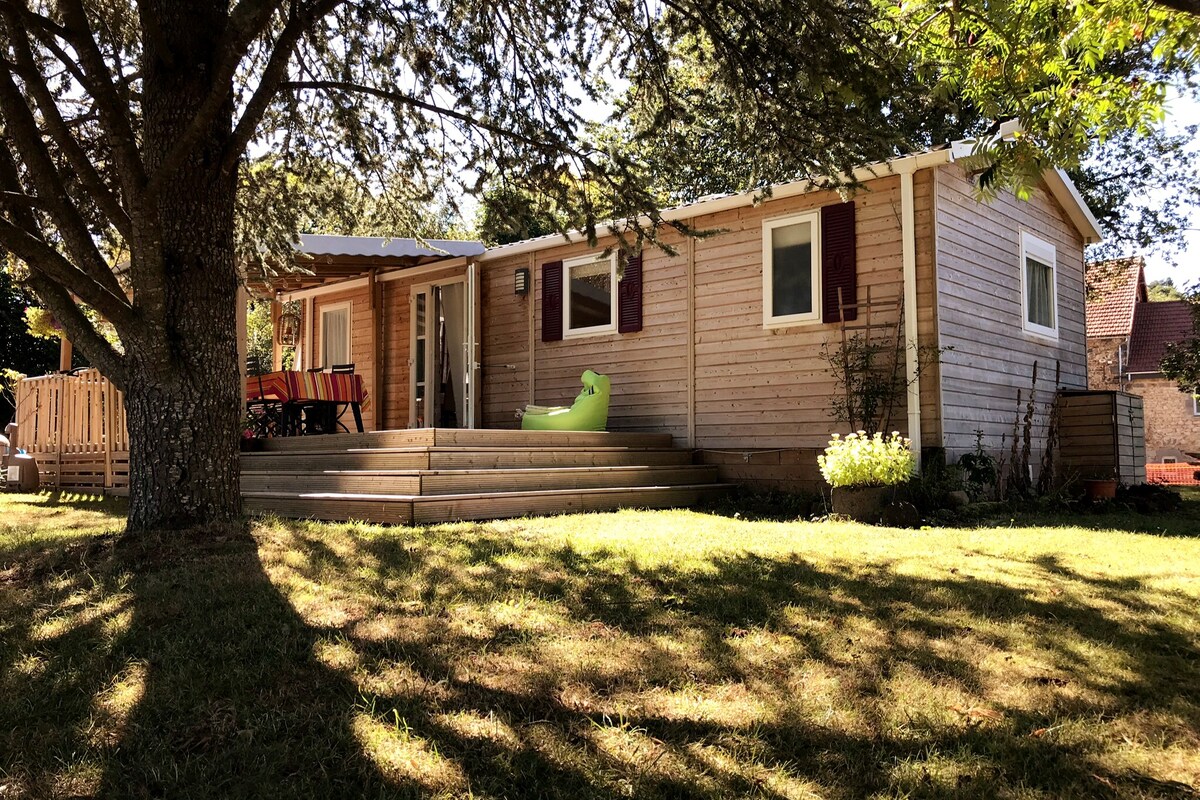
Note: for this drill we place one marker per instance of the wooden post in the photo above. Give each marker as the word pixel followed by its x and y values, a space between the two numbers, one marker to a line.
pixel 691 345
pixel 65 349
pixel 276 347
pixel 242 343
pixel 376 349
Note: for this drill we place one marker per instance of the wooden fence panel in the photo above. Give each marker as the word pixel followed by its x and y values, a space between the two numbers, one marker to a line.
pixel 74 425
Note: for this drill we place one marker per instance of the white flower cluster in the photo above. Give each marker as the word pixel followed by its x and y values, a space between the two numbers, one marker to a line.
pixel 862 460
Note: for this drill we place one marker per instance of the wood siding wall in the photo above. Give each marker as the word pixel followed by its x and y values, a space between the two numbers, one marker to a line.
pixel 388 408
pixel 361 344
pixel 990 357
pixel 714 377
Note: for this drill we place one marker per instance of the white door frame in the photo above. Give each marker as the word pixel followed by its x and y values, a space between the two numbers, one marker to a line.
pixel 470 346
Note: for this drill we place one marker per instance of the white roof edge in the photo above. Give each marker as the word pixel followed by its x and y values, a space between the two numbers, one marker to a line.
pixel 1066 193
pixel 325 244
pixel 1060 184
pixel 894 166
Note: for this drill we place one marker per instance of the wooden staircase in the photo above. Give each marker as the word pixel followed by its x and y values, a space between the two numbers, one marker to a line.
pixel 437 475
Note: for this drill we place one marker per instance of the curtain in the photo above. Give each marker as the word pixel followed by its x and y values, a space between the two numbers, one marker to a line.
pixel 335 337
pixel 1039 284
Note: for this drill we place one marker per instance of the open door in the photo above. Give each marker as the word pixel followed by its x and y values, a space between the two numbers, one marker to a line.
pixel 444 371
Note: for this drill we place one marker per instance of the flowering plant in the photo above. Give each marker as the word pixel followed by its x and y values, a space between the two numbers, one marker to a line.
pixel 862 460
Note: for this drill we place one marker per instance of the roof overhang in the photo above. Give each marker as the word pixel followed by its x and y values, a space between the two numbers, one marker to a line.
pixel 324 259
pixel 1060 185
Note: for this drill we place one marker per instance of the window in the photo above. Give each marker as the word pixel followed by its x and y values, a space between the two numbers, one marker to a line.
pixel 590 304
pixel 335 334
pixel 791 279
pixel 1039 294
pixel 1196 405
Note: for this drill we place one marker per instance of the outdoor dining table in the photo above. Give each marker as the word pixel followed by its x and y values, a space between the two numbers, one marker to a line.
pixel 296 391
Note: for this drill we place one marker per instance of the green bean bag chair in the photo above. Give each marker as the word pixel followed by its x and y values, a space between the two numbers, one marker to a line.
pixel 589 412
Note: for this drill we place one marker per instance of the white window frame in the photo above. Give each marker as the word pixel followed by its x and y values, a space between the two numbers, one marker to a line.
pixel 1045 252
pixel 321 311
pixel 768 271
pixel 594 330
pixel 1196 405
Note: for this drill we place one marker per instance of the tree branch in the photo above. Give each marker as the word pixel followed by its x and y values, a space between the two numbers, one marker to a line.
pixel 35 84
pixel 272 75
pixel 246 22
pixel 23 237
pixel 349 87
pixel 114 112
pixel 79 328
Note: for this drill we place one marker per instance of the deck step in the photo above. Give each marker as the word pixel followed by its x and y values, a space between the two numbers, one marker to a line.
pixel 424 458
pixel 417 509
pixel 453 437
pixel 444 482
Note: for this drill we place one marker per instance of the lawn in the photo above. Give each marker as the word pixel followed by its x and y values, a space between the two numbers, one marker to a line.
pixel 634 654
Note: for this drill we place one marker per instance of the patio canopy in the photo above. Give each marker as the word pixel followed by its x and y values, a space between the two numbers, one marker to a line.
pixel 322 258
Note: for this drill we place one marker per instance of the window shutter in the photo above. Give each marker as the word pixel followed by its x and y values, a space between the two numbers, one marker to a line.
pixel 629 297
pixel 552 300
pixel 839 269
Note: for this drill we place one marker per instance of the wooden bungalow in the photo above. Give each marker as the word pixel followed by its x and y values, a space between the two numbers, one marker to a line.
pixel 719 345
pixel 714 351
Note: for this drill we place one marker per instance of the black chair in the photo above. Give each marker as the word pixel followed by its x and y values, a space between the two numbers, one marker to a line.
pixel 340 369
pixel 265 415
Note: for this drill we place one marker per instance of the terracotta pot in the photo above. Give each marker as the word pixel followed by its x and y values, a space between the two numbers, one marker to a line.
pixel 1102 489
pixel 862 503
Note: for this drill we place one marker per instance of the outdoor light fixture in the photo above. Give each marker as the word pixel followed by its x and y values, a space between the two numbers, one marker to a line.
pixel 521 281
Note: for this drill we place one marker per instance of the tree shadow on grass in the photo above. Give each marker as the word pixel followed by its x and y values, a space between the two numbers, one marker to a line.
pixel 171 669
pixel 319 661
pixel 753 675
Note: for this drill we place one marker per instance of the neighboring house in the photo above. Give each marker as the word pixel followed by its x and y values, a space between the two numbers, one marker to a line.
pixel 719 344
pixel 1127 338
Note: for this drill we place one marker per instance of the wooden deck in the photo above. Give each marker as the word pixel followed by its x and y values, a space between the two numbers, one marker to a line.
pixel 437 475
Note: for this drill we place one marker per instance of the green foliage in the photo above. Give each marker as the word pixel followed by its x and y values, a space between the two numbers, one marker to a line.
pixel 867 371
pixel 509 215
pixel 1072 74
pixel 1163 290
pixel 860 459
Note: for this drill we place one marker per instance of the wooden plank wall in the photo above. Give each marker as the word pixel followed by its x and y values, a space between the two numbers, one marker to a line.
pixel 1101 436
pixel 754 389
pixel 361 347
pixel 979 309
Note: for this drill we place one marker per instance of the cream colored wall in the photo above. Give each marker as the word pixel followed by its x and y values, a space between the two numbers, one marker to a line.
pixel 753 387
pixel 979 309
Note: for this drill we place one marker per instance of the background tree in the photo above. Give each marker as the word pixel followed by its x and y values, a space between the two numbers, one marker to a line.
pixel 1163 290
pixel 125 128
pixel 24 353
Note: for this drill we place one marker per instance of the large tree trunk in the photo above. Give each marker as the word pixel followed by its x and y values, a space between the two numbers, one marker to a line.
pixel 182 394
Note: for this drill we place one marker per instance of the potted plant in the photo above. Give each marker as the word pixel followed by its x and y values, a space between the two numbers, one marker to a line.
pixel 1096 489
pixel 864 471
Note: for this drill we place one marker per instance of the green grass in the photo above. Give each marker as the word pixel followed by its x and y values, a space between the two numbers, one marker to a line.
pixel 634 654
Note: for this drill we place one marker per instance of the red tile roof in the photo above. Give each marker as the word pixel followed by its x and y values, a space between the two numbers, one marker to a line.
pixel 1154 325
pixel 1114 288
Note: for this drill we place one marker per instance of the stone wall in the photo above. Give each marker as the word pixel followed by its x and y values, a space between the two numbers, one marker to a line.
pixel 1102 362
pixel 1171 424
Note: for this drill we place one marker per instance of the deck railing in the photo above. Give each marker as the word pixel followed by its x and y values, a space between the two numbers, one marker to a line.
pixel 74 425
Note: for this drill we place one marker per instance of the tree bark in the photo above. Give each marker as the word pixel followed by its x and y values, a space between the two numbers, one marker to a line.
pixel 182 395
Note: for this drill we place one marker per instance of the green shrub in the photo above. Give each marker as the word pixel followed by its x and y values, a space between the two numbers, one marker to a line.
pixel 862 460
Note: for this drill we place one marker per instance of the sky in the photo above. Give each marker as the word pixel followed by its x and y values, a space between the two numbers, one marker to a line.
pixel 1181 111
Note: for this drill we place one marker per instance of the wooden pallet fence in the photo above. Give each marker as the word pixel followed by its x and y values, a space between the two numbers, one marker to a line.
pixel 74 425
pixel 1101 436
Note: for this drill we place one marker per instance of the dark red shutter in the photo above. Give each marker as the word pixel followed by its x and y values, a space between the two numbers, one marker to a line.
pixel 552 300
pixel 629 297
pixel 839 269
